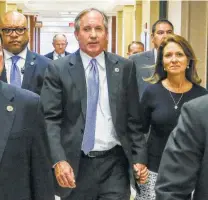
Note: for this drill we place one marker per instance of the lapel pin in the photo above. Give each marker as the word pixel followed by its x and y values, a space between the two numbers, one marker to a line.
pixel 116 69
pixel 32 63
pixel 10 108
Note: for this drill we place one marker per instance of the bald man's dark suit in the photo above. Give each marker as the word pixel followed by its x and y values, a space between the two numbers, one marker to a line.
pixel 64 98
pixel 33 72
pixel 50 55
pixel 25 171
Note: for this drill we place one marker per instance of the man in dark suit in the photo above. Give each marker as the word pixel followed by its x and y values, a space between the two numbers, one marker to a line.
pixel 144 61
pixel 25 171
pixel 23 68
pixel 59 43
pixel 184 165
pixel 91 110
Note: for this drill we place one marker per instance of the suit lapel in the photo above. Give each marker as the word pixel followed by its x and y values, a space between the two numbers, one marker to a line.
pixel 113 73
pixel 30 65
pixel 77 73
pixel 7 114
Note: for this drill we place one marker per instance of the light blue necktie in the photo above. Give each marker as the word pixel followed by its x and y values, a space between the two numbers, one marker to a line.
pixel 92 102
pixel 15 76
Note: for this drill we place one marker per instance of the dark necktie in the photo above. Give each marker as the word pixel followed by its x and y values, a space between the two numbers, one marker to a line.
pixel 92 101
pixel 15 76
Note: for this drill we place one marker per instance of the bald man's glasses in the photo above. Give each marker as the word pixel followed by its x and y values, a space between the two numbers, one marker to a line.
pixel 9 31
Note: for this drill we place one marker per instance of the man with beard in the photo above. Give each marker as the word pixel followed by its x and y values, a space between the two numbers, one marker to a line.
pixel 23 68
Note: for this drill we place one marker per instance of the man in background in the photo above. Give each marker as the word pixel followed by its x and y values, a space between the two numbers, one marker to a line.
pixel 59 43
pixel 135 47
pixel 23 68
pixel 144 61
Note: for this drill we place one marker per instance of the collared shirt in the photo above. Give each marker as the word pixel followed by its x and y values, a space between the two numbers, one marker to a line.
pixel 155 54
pixel 56 56
pixel 20 63
pixel 105 134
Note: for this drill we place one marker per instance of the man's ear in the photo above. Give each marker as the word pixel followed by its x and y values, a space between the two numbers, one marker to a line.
pixel 76 35
pixel 152 37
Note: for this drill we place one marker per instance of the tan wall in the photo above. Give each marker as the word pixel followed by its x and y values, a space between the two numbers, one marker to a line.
pixel 191 22
pixel 150 14
pixel 138 20
pixel 119 24
pixel 128 28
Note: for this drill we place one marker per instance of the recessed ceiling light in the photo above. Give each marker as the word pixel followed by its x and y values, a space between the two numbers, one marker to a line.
pixel 74 13
pixel 64 13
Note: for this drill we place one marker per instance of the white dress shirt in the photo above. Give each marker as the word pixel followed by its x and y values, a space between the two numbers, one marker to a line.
pixel 155 54
pixel 20 63
pixel 56 56
pixel 105 134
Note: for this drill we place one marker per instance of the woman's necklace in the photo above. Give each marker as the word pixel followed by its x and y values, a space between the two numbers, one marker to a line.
pixel 175 103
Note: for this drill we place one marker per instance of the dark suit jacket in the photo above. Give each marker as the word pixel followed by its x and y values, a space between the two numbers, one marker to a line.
pixel 34 71
pixel 184 165
pixel 50 55
pixel 25 172
pixel 64 99
pixel 144 63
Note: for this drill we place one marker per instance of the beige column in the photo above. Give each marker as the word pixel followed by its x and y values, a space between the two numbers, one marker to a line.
pixel 2 7
pixel 150 15
pixel 138 20
pixel 154 15
pixel 128 27
pixel 194 27
pixel 119 23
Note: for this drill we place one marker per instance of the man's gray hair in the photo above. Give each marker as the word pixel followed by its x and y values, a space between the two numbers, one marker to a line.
pixel 55 36
pixel 84 12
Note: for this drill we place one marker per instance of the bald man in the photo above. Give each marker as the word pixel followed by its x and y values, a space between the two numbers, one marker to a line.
pixel 23 68
pixel 25 170
pixel 59 43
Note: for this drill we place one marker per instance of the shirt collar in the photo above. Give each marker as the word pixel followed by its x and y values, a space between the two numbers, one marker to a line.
pixel 55 54
pixel 155 54
pixel 22 54
pixel 86 59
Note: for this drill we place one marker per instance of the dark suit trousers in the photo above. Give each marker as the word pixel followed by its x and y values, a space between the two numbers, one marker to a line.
pixel 102 178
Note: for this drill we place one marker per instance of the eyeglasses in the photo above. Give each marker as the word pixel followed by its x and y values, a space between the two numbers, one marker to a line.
pixel 18 31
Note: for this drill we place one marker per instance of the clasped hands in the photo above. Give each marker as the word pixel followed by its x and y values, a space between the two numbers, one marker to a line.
pixel 64 175
pixel 141 173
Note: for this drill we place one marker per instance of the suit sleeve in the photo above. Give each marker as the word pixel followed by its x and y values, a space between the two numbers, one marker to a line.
pixel 139 149
pixel 182 157
pixel 51 99
pixel 41 173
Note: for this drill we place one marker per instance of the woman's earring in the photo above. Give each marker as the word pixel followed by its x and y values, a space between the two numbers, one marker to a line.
pixel 187 67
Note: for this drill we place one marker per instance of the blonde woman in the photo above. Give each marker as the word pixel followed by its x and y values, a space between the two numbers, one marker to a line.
pixel 176 82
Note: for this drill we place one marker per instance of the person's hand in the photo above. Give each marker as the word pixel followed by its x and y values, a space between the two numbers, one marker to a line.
pixel 141 173
pixel 64 174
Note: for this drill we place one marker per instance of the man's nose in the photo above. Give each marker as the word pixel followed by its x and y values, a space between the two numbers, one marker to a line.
pixel 13 34
pixel 93 33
